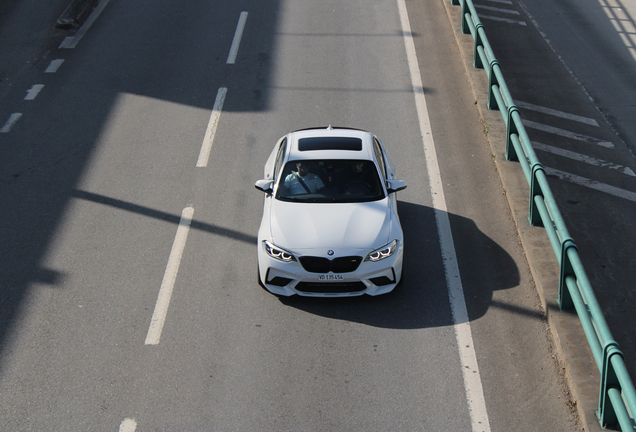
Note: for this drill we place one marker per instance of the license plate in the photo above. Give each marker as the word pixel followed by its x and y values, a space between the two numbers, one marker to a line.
pixel 330 277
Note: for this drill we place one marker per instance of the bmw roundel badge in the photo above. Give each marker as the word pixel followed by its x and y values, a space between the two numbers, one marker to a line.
pixel 329 252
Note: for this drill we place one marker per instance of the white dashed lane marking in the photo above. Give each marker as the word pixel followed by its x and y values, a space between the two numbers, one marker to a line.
pixel 231 59
pixel 33 92
pixel 13 118
pixel 128 425
pixel 54 66
pixel 208 139
pixel 169 278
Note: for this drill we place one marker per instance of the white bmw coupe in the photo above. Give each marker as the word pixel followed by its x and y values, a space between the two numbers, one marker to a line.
pixel 330 226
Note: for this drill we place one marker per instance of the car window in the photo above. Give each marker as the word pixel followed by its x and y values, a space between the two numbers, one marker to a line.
pixel 330 143
pixel 279 158
pixel 378 154
pixel 330 181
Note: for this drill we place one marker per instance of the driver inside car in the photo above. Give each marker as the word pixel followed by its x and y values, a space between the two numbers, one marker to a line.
pixel 303 181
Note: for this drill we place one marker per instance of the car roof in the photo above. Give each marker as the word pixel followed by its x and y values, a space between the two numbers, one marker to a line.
pixel 330 143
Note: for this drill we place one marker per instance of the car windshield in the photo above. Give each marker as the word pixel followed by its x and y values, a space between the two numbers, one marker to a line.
pixel 327 181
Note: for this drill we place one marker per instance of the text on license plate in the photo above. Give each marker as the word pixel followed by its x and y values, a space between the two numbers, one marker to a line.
pixel 330 277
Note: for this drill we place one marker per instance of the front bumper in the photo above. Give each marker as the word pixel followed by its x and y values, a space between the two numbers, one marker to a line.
pixel 290 278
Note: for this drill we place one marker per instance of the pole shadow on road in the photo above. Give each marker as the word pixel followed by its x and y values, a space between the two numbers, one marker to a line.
pixel 421 301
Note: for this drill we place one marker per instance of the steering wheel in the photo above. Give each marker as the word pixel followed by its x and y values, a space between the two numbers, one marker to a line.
pixel 359 187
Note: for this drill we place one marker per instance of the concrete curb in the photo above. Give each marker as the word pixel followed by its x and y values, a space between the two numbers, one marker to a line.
pixel 572 348
pixel 75 14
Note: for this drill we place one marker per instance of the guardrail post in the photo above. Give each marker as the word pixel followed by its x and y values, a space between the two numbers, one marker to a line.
pixel 511 128
pixel 534 217
pixel 492 81
pixel 606 413
pixel 465 10
pixel 477 63
pixel 565 298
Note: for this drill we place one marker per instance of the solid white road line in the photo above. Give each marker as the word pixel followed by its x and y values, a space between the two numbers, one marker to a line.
pixel 128 425
pixel 169 278
pixel 583 158
pixel 72 41
pixel 566 134
pixel 463 334
pixel 238 34
pixel 208 139
pixel 556 113
pixel 33 91
pixel 592 184
pixel 54 66
pixel 13 118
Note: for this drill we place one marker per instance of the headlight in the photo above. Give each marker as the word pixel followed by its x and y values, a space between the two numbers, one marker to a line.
pixel 278 253
pixel 383 252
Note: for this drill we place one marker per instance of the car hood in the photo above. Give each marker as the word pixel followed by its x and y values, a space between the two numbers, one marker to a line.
pixel 314 225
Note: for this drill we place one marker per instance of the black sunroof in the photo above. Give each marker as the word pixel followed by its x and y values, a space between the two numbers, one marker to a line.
pixel 330 143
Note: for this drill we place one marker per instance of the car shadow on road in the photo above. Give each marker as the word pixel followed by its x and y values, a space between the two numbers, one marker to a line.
pixel 422 300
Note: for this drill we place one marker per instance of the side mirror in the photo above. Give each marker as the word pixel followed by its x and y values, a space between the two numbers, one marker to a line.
pixel 395 185
pixel 264 185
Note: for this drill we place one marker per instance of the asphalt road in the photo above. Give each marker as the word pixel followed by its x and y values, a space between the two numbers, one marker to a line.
pixel 97 169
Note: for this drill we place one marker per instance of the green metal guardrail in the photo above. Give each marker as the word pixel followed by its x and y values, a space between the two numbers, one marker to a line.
pixel 617 397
